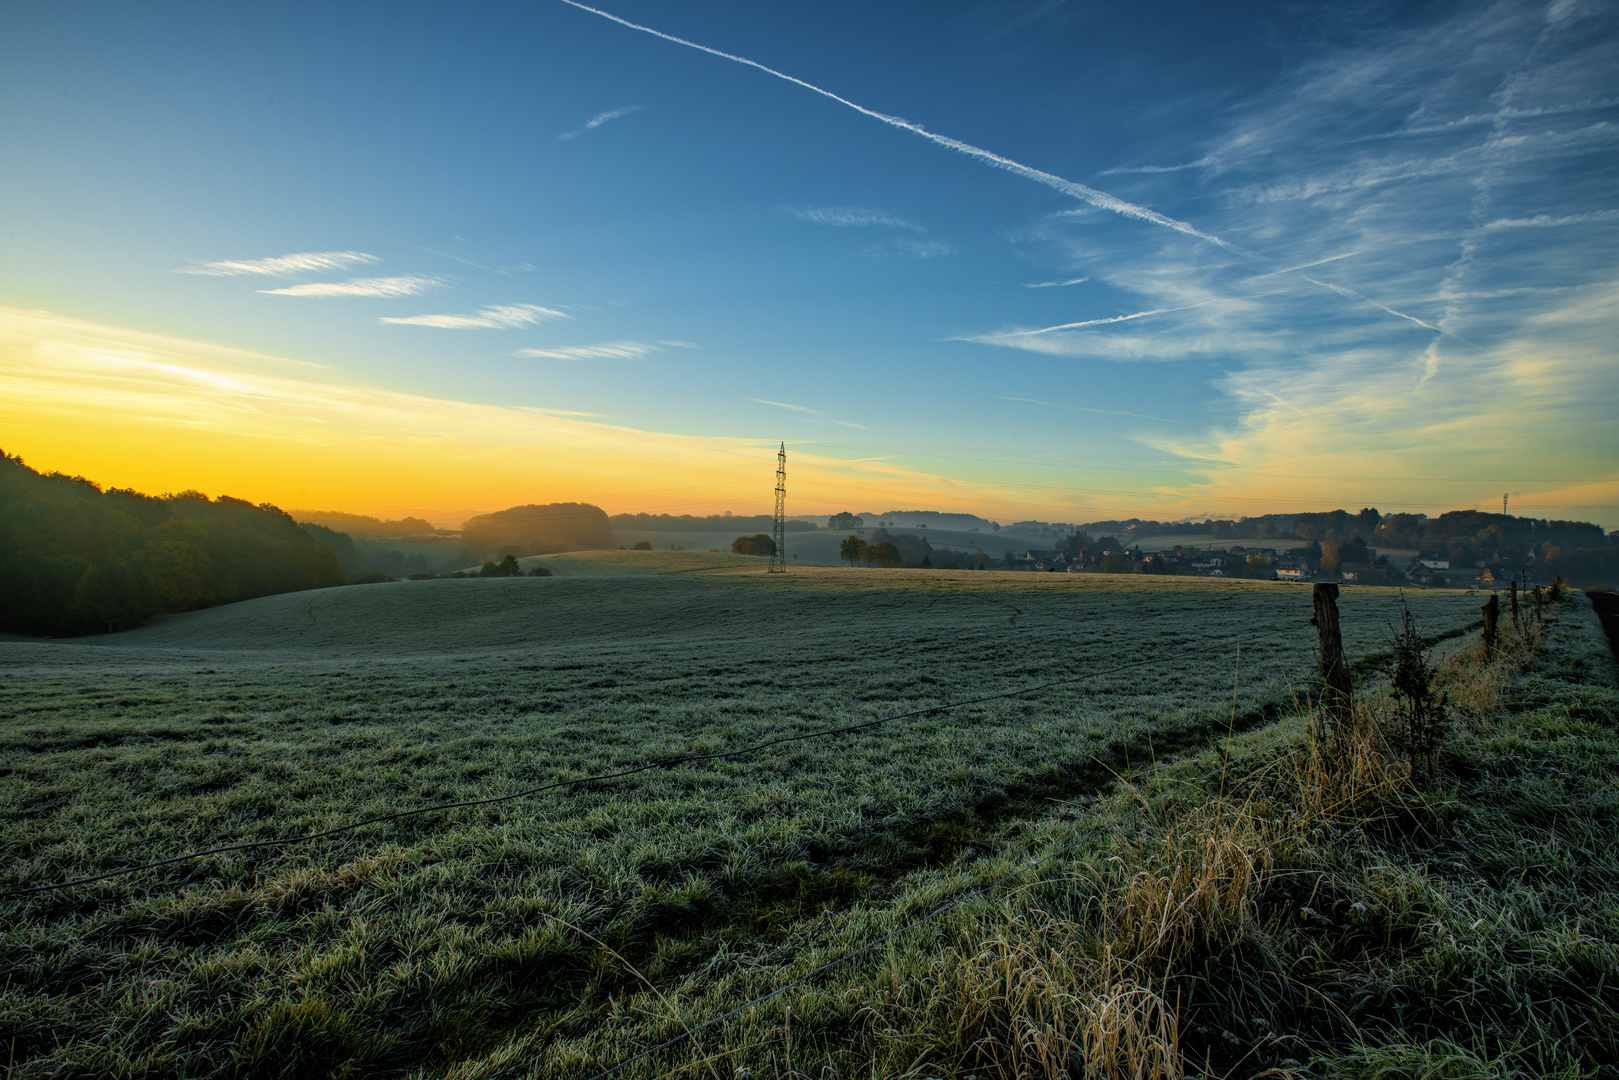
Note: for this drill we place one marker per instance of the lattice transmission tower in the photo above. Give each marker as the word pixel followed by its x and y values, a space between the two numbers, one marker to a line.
pixel 778 558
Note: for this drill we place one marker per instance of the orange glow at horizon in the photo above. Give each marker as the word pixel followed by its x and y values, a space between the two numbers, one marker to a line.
pixel 127 408
pixel 131 409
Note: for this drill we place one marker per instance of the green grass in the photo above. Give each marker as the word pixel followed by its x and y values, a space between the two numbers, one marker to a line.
pixel 521 939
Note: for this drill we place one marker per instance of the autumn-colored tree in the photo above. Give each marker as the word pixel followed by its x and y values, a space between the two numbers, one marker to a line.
pixel 854 550
pixel 885 554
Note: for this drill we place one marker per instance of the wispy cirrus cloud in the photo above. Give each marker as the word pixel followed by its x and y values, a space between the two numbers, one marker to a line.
pixel 845 217
pixel 1149 169
pixel 405 285
pixel 498 317
pixel 608 350
pixel 814 416
pixel 599 119
pixel 1004 336
pixel 907 248
pixel 1054 284
pixel 1552 221
pixel 282 265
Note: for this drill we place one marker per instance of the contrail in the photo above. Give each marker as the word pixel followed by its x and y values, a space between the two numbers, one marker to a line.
pixel 1305 266
pixel 1100 322
pixel 1284 401
pixel 1343 290
pixel 1099 199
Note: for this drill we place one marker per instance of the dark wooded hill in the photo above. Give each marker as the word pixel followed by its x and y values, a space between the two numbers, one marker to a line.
pixel 75 559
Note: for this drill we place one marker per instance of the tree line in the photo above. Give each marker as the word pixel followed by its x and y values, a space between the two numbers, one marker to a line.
pixel 75 559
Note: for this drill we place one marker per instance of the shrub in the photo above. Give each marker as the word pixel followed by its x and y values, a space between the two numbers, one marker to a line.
pixel 506 567
pixel 757 544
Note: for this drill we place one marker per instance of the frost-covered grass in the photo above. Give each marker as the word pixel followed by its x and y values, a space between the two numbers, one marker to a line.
pixel 523 938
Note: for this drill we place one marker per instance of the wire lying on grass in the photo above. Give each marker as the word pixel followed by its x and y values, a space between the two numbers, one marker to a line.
pixel 660 763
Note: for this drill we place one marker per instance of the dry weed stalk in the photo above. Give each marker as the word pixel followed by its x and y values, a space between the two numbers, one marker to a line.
pixel 1035 999
pixel 1130 1033
pixel 1199 885
pixel 1326 781
pixel 1475 681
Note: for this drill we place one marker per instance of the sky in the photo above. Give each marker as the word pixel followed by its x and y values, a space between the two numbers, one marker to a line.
pixel 1044 260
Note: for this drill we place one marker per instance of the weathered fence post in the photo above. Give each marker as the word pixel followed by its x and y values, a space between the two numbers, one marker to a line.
pixel 1540 615
pixel 1492 613
pixel 1337 699
pixel 1516 625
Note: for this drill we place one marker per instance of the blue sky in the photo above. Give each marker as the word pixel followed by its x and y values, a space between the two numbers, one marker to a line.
pixel 1305 257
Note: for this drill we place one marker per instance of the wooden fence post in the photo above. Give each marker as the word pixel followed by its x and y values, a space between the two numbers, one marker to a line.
pixel 1540 615
pixel 1337 692
pixel 1492 613
pixel 1516 625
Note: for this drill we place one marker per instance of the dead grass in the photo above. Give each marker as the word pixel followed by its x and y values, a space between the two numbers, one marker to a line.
pixel 1311 923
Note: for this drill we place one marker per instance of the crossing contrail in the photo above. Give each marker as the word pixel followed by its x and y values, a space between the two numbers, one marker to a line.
pixel 1100 199
pixel 1343 290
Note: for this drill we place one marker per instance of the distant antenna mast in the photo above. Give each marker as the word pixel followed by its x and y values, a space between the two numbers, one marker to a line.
pixel 1504 504
pixel 778 558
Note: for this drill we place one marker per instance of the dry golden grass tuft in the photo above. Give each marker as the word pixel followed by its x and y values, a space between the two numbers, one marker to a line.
pixel 1197 887
pixel 1039 1000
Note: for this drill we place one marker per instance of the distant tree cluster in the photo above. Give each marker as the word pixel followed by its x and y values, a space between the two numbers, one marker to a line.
pixel 845 520
pixel 906 549
pixel 75 559
pixel 757 544
pixel 883 553
pixel 506 567
pixel 537 530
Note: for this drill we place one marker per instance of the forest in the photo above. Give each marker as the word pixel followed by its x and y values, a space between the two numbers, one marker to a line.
pixel 537 530
pixel 75 559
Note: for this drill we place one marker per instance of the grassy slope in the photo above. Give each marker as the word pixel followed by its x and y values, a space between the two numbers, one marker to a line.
pixel 434 942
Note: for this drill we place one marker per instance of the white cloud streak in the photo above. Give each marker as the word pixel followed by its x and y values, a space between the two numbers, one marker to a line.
pixel 845 217
pixel 1198 164
pixel 610 350
pixel 1100 199
pixel 923 249
pixel 281 265
pixel 814 416
pixel 407 285
pixel 1054 284
pixel 499 317
pixel 1087 322
pixel 599 119
pixel 1548 221
pixel 1344 290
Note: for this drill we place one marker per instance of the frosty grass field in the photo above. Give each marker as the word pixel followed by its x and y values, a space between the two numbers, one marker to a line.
pixel 502 939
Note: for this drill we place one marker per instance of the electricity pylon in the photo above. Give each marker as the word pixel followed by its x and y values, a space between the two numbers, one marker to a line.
pixel 778 558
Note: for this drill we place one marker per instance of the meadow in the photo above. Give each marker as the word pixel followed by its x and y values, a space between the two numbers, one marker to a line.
pixel 561 934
